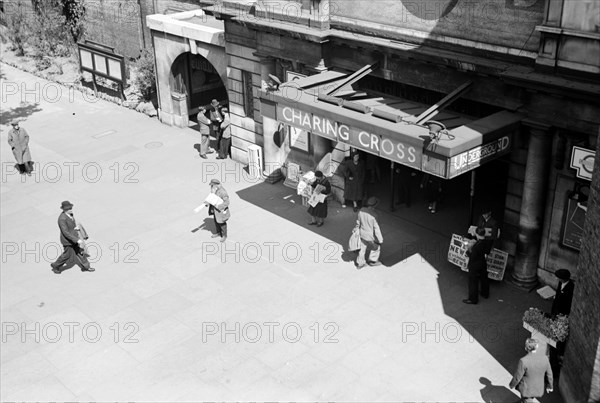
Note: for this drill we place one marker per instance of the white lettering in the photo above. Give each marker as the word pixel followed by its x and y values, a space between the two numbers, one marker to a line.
pixel 344 132
pixel 412 157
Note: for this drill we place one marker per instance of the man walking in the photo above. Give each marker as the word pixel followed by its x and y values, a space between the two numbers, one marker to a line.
pixel 225 135
pixel 533 374
pixel 477 268
pixel 221 212
pixel 370 235
pixel 204 127
pixel 18 139
pixel 73 253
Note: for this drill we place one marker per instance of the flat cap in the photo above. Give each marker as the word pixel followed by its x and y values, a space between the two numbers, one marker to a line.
pixel 215 182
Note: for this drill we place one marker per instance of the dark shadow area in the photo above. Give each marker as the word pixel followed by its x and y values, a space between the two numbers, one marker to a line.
pixel 208 225
pixel 496 393
pixel 19 112
pixel 102 89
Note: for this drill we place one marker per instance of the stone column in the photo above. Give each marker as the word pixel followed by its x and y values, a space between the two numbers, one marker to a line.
pixel 533 205
pixel 579 380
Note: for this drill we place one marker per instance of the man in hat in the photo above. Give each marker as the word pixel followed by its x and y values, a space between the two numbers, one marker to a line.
pixel 561 306
pixel 18 139
pixel 370 235
pixel 221 212
pixel 477 268
pixel 225 135
pixel 564 293
pixel 216 118
pixel 533 374
pixel 490 225
pixel 204 127
pixel 69 238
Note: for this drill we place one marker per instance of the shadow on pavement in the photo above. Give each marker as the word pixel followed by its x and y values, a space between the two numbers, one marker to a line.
pixel 23 111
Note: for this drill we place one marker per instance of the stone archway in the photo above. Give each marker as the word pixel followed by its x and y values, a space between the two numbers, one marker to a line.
pixel 194 82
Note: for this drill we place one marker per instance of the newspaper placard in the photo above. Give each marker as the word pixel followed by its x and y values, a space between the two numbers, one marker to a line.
pixel 496 260
pixel 496 264
pixel 457 252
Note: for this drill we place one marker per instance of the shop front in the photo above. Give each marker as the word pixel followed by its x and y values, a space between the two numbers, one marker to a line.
pixel 386 128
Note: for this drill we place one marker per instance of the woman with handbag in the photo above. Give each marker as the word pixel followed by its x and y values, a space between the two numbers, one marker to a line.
pixel 320 186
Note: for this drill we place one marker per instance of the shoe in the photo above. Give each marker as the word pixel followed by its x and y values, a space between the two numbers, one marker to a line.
pixel 203 156
pixel 430 206
pixel 220 158
pixel 211 152
pixel 215 235
pixel 90 269
pixel 320 224
pixel 468 301
pixel 57 271
pixel 343 206
pixel 312 223
pixel 360 266
pixel 223 239
pixel 377 263
pixel 432 211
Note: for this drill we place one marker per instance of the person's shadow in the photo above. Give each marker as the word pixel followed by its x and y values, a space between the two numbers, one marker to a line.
pixel 496 393
pixel 207 225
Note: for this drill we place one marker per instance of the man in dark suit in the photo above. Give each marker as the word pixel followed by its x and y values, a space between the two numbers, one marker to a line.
pixel 490 225
pixel 69 238
pixel 477 268
pixel 564 293
pixel 533 374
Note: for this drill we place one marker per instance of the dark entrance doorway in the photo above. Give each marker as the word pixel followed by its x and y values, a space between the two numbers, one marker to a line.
pixel 194 76
pixel 453 212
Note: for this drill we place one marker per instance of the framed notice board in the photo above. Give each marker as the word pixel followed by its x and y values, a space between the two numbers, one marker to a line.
pixel 574 217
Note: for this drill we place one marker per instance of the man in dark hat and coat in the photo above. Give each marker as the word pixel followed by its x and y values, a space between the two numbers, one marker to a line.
pixel 370 235
pixel 225 135
pixel 72 244
pixel 564 293
pixel 477 268
pixel 18 139
pixel 216 118
pixel 204 127
pixel 318 213
pixel 221 212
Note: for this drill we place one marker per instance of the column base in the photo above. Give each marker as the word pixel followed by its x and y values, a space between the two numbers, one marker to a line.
pixel 274 177
pixel 528 285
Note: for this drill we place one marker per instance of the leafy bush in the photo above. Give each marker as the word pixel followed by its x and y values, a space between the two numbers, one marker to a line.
pixel 18 26
pixel 145 79
pixel 50 30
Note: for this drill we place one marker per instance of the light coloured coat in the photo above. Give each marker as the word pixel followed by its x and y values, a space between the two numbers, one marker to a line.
pixel 19 142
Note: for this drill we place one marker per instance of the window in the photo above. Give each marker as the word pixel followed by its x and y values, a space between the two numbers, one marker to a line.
pixel 248 96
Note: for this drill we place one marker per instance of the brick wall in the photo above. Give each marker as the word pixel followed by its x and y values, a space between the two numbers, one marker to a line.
pixel 580 376
pixel 175 6
pixel 115 23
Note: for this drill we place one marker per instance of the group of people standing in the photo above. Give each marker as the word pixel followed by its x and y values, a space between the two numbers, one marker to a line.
pixel 218 125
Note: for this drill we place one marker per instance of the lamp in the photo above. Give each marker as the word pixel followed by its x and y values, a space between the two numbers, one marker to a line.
pixel 436 129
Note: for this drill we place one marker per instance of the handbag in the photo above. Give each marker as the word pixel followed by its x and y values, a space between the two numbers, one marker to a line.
pixel 354 241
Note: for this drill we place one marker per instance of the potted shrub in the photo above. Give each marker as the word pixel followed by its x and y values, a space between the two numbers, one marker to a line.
pixel 548 329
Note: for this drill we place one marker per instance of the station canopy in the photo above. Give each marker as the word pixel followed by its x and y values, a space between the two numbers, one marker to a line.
pixel 402 131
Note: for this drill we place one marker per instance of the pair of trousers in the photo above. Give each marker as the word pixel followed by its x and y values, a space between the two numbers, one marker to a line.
pixel 224 147
pixel 25 168
pixel 369 252
pixel 204 144
pixel 475 280
pixel 221 228
pixel 71 256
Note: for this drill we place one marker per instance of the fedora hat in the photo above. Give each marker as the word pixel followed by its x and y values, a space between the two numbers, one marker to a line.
pixel 15 122
pixel 66 205
pixel 214 103
pixel 215 182
pixel 275 78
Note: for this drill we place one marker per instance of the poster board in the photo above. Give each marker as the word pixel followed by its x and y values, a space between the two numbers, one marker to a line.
pixel 497 260
pixel 574 217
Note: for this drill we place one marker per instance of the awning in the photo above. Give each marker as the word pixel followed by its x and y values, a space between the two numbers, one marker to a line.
pixel 385 126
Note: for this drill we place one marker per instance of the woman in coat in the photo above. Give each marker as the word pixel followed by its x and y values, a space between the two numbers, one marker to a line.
pixel 318 213
pixel 18 139
pixel 354 183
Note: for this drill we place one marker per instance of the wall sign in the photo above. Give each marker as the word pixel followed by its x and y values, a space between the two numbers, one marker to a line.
pixel 101 60
pixel 299 139
pixel 381 145
pixel 582 160
pixel 477 156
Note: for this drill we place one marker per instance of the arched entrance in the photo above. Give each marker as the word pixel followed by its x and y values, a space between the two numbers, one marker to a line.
pixel 194 82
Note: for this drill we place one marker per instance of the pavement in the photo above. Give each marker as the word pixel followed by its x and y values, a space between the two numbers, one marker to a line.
pixel 276 313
